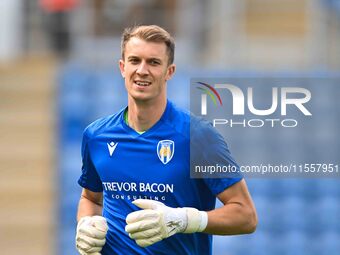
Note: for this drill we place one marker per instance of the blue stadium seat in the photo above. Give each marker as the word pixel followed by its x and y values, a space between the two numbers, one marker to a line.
pixel 329 214
pixel 259 186
pixel 329 243
pixel 329 187
pixel 292 242
pixel 293 214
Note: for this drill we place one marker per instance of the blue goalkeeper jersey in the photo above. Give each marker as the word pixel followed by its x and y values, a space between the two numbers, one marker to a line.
pixel 126 165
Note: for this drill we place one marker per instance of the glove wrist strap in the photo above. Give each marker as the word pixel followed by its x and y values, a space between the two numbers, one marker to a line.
pixel 197 220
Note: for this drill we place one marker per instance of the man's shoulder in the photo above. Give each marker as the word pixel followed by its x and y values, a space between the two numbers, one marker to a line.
pixel 177 113
pixel 178 119
pixel 200 126
pixel 203 133
pixel 103 124
pixel 186 122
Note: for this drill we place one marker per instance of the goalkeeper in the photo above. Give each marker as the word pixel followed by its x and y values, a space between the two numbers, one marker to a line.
pixel 138 197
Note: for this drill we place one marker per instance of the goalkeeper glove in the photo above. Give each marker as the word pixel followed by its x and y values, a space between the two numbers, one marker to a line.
pixel 90 237
pixel 158 221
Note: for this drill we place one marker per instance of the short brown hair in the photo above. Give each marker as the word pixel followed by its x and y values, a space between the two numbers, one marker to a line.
pixel 150 33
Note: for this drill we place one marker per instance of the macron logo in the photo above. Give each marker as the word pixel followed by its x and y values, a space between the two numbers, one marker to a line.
pixel 111 146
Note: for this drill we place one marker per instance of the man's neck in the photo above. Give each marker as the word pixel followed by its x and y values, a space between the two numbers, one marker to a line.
pixel 142 116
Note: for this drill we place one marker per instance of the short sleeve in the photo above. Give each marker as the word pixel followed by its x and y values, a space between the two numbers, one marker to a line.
pixel 217 186
pixel 209 149
pixel 89 178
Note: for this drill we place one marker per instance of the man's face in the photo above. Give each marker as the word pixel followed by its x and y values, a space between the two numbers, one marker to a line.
pixel 145 69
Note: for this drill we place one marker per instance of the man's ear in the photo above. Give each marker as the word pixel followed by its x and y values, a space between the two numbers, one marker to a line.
pixel 170 72
pixel 122 67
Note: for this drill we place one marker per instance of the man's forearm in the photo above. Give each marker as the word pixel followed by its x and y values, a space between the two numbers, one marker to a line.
pixel 87 207
pixel 232 219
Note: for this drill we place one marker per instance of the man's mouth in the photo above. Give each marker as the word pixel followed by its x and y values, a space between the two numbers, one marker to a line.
pixel 143 83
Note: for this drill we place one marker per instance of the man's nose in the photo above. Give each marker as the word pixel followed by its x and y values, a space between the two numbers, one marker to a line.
pixel 142 69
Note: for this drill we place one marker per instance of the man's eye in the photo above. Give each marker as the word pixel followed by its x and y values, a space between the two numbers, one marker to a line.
pixel 154 62
pixel 133 61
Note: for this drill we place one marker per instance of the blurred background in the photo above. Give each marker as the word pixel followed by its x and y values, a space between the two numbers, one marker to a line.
pixel 59 72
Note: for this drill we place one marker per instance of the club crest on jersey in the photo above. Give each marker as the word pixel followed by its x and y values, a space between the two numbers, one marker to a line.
pixel 165 150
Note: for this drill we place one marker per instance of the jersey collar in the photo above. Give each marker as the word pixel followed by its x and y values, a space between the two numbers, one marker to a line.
pixel 134 133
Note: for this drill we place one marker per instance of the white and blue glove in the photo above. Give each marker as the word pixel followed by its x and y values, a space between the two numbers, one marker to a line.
pixel 90 237
pixel 157 221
